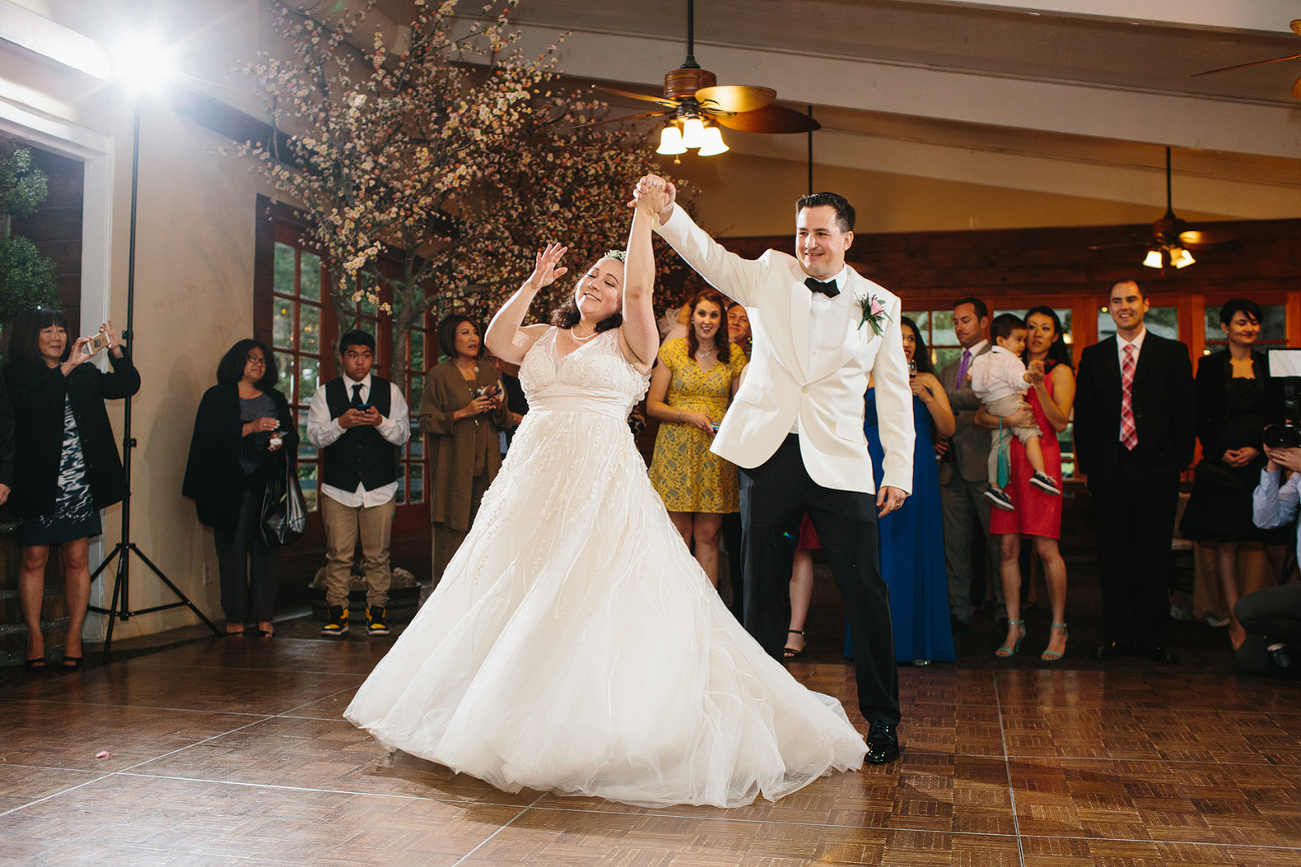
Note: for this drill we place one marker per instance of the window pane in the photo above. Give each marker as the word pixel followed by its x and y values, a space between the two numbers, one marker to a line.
pixel 310 286
pixel 285 364
pixel 417 483
pixel 1272 327
pixel 284 269
pixel 306 451
pixel 309 328
pixel 1019 314
pixel 417 444
pixel 282 323
pixel 309 374
pixel 417 388
pixel 1163 321
pixel 417 350
pixel 922 318
pixel 307 480
pixel 942 328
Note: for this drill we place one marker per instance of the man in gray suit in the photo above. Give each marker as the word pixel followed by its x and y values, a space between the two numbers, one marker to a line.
pixel 964 473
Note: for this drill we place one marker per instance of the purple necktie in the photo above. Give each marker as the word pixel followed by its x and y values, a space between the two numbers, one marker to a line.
pixel 962 368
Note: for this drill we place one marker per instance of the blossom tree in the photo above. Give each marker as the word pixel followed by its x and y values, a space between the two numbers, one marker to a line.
pixel 432 173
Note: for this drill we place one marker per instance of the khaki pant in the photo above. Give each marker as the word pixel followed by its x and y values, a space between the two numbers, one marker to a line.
pixel 447 540
pixel 343 526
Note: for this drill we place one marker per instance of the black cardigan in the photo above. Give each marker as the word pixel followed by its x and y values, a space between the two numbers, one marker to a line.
pixel 1213 373
pixel 37 393
pixel 214 478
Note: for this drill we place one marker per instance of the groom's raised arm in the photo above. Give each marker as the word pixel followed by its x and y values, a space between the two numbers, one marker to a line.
pixel 737 278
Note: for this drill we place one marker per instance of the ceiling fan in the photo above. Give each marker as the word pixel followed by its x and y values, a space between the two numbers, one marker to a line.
pixel 1296 88
pixel 1170 236
pixel 697 105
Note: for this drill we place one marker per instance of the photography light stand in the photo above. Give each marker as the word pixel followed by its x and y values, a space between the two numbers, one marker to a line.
pixel 120 607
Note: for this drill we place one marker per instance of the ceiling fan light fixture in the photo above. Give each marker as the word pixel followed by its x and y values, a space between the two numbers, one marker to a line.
pixel 671 141
pixel 693 133
pixel 714 143
pixel 1181 258
pixel 1153 258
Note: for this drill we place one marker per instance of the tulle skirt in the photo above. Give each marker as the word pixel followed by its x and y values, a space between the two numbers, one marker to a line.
pixel 575 646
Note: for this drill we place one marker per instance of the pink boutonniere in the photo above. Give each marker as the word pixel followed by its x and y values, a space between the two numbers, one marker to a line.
pixel 873 314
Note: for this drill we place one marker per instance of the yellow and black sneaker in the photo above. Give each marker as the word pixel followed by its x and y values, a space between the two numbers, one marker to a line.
pixel 338 623
pixel 375 620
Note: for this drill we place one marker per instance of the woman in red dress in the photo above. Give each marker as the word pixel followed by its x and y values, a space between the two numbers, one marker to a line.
pixel 1038 515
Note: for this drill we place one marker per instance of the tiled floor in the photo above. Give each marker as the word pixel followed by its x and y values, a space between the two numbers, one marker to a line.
pixel 233 751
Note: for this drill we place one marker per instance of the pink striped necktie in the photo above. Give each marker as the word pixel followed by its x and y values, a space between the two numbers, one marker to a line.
pixel 1128 431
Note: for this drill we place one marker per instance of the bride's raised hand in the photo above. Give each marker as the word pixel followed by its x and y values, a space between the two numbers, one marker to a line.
pixel 545 271
pixel 653 195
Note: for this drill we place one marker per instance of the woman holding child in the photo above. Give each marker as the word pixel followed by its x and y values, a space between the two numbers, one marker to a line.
pixel 1038 513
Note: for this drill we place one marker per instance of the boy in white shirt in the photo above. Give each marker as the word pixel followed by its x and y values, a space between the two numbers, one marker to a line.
pixel 999 379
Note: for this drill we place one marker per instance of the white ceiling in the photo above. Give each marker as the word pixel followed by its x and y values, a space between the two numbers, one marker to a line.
pixel 1077 97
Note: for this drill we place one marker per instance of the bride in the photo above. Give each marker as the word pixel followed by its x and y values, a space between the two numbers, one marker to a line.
pixel 573 644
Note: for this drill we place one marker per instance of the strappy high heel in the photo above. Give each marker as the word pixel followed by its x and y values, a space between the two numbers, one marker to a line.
pixel 1004 652
pixel 1052 655
pixel 790 652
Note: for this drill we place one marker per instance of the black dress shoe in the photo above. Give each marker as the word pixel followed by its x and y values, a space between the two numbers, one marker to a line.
pixel 1111 650
pixel 1158 653
pixel 882 743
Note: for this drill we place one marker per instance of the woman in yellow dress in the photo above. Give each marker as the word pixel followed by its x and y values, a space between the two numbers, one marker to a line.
pixel 689 391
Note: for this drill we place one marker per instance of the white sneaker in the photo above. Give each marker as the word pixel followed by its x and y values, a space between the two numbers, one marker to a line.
pixel 1046 484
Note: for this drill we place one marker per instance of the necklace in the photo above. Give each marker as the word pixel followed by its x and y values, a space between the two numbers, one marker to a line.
pixel 582 339
pixel 705 353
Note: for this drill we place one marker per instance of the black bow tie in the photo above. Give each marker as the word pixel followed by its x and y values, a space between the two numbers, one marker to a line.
pixel 829 288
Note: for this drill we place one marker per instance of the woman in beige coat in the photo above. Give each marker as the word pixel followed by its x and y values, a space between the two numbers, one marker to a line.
pixel 462 412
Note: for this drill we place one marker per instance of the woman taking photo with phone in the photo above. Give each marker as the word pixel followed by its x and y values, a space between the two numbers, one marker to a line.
pixel 67 467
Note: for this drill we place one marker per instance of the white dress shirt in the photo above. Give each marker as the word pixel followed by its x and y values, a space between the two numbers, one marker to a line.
pixel 997 374
pixel 323 431
pixel 1272 506
pixel 826 328
pixel 1121 343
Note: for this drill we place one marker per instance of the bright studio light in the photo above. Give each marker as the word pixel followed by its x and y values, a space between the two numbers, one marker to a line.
pixel 1153 259
pixel 693 133
pixel 713 143
pixel 671 141
pixel 143 62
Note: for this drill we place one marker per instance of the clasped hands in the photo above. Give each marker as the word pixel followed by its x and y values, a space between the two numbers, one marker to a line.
pixel 654 196
pixel 354 417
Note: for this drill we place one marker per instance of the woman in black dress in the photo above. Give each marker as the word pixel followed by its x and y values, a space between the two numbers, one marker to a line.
pixel 67 467
pixel 1232 411
pixel 243 434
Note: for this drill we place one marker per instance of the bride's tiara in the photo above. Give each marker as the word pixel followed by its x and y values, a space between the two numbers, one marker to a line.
pixel 614 254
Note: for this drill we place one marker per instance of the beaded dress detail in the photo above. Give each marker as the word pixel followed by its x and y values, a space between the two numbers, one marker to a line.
pixel 575 646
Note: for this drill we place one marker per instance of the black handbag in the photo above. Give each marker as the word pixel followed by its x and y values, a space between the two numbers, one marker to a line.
pixel 284 511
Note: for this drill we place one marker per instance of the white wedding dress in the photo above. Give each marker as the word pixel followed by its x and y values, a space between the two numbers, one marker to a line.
pixel 575 646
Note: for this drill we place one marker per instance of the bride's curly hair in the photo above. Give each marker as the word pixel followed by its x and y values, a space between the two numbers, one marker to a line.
pixel 567 315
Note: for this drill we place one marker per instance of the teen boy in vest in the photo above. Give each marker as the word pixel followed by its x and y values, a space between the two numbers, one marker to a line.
pixel 360 422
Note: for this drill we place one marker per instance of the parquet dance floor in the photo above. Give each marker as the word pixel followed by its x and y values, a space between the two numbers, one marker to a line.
pixel 233 751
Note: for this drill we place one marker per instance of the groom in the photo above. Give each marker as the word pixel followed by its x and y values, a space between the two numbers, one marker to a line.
pixel 795 429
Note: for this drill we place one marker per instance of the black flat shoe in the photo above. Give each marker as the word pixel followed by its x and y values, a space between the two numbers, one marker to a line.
pixel 71 663
pixel 1111 650
pixel 37 664
pixel 882 743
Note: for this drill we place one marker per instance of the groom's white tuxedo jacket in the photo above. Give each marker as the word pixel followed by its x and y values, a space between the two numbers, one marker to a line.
pixel 780 394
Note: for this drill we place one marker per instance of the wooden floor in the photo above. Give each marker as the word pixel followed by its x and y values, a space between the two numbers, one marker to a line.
pixel 233 751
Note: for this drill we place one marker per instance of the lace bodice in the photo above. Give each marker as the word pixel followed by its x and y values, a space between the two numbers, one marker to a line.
pixel 596 371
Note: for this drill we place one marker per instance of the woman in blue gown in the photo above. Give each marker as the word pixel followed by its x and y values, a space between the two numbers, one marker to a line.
pixel 912 538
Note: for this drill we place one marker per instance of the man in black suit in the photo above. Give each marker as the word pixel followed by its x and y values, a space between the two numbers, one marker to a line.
pixel 1135 426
